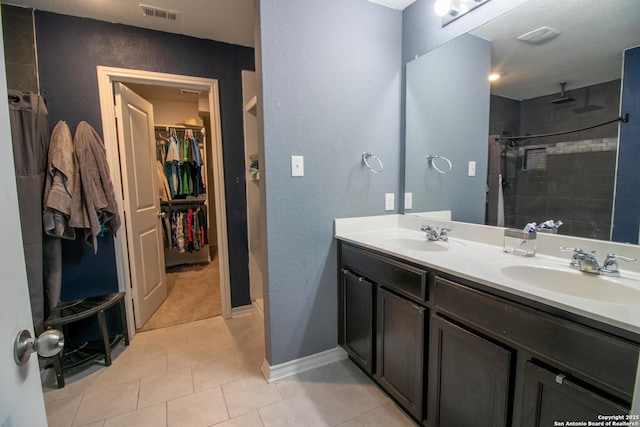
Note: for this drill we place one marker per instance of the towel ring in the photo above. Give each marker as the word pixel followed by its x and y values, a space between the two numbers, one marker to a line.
pixel 366 155
pixel 432 159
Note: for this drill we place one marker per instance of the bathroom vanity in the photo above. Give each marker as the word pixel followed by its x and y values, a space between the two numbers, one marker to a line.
pixel 460 334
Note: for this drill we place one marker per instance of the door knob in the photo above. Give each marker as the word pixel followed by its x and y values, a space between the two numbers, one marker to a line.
pixel 47 344
pixel 162 214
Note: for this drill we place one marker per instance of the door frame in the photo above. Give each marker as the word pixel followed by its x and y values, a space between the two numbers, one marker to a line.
pixel 106 77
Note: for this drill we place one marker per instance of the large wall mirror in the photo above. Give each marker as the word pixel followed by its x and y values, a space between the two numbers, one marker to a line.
pixel 555 82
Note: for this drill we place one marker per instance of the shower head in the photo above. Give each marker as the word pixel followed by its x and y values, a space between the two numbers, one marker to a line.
pixel 563 98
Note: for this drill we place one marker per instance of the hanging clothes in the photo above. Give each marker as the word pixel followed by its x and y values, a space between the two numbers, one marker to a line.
pixel 185 227
pixel 94 202
pixel 183 165
pixel 60 181
pixel 43 254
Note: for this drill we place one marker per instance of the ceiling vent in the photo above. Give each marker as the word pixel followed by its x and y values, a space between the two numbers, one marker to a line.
pixel 539 35
pixel 190 92
pixel 156 12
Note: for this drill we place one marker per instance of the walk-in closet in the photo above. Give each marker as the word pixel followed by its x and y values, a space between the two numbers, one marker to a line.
pixel 183 166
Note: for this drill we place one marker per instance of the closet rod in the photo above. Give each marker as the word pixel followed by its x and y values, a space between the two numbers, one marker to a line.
pixel 624 118
pixel 181 202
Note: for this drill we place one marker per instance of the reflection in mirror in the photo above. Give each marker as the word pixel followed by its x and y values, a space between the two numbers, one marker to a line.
pixel 571 80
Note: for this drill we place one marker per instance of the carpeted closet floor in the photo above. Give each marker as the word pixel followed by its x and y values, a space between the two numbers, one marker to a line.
pixel 193 294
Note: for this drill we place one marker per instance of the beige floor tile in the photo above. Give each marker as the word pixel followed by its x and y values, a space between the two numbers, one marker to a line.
pixel 252 363
pixel 110 402
pixel 96 424
pixel 297 384
pixel 299 410
pixel 197 410
pixel 163 387
pixel 193 354
pixel 220 360
pixel 385 416
pixel 217 372
pixel 251 419
pixel 340 400
pixel 351 423
pixel 146 365
pixel 147 417
pixel 61 412
pixel 249 394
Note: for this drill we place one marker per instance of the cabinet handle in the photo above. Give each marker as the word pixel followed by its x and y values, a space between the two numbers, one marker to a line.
pixel 417 307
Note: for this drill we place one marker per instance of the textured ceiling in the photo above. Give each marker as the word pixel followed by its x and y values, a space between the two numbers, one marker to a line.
pixel 593 35
pixel 230 21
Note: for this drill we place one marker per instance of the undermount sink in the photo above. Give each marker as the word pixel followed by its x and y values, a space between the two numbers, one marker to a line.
pixel 567 281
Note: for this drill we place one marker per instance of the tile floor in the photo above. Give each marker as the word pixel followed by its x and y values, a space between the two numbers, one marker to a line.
pixel 207 373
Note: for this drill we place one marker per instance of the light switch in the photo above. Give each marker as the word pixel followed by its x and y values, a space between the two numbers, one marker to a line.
pixel 389 202
pixel 297 165
pixel 472 168
pixel 408 200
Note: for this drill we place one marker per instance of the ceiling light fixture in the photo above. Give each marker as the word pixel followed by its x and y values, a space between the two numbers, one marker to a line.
pixel 449 10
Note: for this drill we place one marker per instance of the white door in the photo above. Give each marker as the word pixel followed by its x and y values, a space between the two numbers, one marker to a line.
pixel 136 140
pixel 21 402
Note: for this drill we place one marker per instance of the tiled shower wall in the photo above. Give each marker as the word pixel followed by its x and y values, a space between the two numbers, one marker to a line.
pixel 570 178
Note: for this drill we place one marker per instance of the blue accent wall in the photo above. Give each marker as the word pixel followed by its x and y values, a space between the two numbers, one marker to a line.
pixel 69 49
pixel 626 216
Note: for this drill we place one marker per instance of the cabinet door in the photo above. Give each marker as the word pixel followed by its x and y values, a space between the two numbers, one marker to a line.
pixel 468 378
pixel 357 315
pixel 400 350
pixel 549 397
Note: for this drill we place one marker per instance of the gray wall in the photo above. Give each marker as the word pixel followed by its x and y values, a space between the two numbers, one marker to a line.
pixel 331 89
pixel 447 114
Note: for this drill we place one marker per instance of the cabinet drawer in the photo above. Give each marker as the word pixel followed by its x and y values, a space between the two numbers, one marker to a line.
pixel 404 278
pixel 584 351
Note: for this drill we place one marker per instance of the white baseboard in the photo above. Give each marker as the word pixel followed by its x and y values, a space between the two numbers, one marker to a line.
pixel 283 370
pixel 242 310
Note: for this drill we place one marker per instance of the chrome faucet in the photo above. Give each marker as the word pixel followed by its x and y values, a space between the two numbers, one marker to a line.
pixel 588 263
pixel 435 233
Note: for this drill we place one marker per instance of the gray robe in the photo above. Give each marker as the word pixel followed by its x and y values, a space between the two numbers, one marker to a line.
pixel 93 206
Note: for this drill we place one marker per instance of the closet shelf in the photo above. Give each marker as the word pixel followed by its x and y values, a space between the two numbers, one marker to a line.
pixel 165 127
pixel 251 106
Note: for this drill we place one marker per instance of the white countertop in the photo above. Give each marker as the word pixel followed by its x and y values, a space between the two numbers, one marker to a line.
pixel 475 252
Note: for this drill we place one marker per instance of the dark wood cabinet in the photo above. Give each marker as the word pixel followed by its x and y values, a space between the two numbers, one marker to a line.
pixel 357 314
pixel 453 352
pixel 550 397
pixel 469 378
pixel 400 346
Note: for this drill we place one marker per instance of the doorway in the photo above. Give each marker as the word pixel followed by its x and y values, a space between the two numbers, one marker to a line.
pixel 125 259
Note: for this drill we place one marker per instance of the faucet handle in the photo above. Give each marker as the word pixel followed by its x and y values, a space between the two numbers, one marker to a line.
pixel 426 228
pixel 610 266
pixel 444 233
pixel 614 257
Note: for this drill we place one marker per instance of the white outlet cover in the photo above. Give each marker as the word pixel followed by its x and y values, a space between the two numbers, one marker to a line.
pixel 297 165
pixel 389 201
